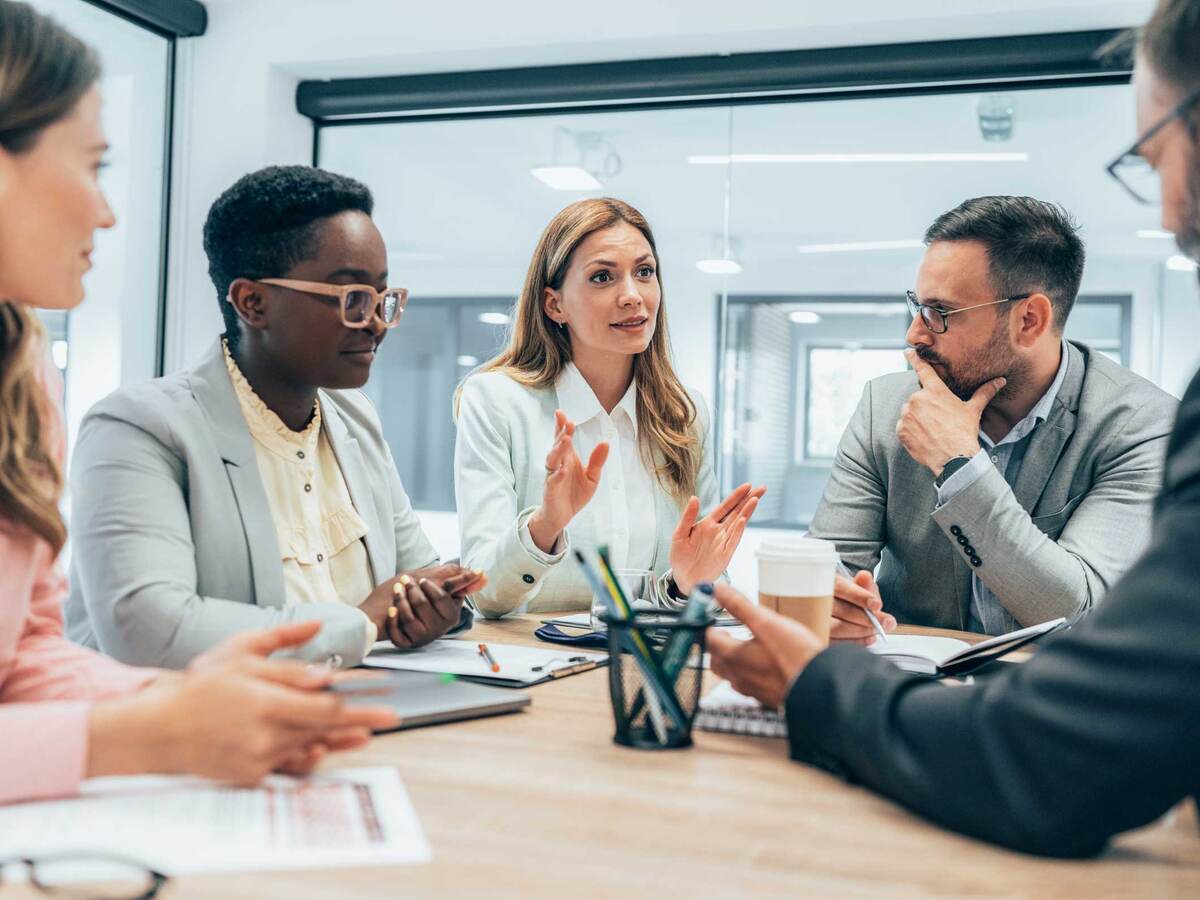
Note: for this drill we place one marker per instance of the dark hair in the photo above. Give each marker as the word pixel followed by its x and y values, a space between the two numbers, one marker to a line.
pixel 44 70
pixel 1031 246
pixel 267 222
pixel 1170 42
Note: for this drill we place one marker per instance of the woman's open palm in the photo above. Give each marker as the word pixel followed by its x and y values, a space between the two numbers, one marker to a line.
pixel 569 483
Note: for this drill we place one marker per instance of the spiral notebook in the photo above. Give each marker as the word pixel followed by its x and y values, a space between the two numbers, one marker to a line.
pixel 724 709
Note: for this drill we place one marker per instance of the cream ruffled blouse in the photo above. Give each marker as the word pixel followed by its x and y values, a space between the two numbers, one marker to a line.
pixel 319 531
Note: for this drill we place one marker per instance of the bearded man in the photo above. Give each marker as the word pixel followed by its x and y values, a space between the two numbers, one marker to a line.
pixel 1009 478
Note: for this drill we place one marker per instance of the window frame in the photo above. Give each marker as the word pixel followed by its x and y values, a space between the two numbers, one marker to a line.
pixel 1123 302
pixel 805 457
pixel 170 20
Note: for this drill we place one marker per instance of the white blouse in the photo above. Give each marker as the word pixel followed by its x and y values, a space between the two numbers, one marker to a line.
pixel 619 506
pixel 505 431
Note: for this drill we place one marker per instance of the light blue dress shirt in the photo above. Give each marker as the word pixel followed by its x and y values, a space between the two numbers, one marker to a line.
pixel 987 614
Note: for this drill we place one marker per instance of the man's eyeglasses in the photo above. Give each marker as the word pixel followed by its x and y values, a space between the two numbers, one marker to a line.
pixel 98 877
pixel 360 303
pixel 1133 171
pixel 935 319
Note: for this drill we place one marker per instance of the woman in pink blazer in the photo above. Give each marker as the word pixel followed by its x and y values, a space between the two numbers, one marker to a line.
pixel 67 713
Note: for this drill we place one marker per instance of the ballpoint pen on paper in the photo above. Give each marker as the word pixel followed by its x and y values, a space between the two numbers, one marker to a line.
pixel 488 658
pixel 879 632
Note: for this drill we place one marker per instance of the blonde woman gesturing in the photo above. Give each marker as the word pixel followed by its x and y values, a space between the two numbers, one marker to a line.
pixel 579 433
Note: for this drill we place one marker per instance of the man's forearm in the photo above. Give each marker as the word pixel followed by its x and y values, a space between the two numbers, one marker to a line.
pixel 1033 576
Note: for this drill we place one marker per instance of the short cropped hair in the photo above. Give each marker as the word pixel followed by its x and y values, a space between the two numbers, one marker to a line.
pixel 1032 246
pixel 267 222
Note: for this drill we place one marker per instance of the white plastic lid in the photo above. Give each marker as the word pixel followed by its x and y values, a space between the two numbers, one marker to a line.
pixel 790 549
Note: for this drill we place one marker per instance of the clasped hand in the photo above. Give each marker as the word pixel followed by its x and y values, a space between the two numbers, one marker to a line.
pixel 427 604
pixel 234 715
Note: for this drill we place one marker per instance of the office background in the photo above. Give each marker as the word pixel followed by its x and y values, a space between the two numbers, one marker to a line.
pixel 817 197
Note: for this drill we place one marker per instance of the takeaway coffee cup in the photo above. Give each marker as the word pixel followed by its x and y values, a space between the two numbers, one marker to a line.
pixel 795 578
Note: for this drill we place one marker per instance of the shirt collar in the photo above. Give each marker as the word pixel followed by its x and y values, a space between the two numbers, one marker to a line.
pixel 578 401
pixel 628 405
pixel 1041 409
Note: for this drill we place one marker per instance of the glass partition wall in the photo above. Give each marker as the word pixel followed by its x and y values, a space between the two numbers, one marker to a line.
pixel 114 338
pixel 788 233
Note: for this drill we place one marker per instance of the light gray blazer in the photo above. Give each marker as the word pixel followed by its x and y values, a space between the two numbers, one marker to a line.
pixel 504 433
pixel 1078 518
pixel 173 543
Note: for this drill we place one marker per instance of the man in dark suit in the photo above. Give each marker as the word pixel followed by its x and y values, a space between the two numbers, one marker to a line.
pixel 1100 731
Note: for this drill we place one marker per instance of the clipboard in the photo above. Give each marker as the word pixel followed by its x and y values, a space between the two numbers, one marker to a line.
pixel 519 666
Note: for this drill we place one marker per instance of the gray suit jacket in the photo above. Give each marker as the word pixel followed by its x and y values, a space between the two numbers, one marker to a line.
pixel 173 544
pixel 1096 734
pixel 1078 518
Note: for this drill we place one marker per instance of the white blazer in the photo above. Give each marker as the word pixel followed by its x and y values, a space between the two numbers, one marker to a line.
pixel 505 431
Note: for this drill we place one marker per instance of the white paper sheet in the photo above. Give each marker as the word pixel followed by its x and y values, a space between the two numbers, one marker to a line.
pixel 180 825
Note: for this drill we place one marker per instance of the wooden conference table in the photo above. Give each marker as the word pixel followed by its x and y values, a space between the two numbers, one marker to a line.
pixel 543 804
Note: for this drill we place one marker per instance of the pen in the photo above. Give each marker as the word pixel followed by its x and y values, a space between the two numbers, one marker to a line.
pixel 879 632
pixel 488 658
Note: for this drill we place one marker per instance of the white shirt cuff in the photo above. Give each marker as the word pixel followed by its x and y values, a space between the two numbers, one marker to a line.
pixel 963 478
pixel 558 551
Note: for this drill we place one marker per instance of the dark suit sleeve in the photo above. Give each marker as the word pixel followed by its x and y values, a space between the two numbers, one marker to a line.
pixel 1096 734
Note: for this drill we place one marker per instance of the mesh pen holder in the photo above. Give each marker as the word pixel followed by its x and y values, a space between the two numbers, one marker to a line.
pixel 647 718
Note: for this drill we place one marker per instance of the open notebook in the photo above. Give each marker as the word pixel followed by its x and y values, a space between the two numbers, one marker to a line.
pixel 931 655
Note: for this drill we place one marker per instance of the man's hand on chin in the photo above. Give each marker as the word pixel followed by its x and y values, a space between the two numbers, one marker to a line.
pixel 935 426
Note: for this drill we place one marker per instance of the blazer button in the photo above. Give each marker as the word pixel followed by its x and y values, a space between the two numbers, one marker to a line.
pixel 969 550
pixel 955 530
pixel 527 578
pixel 962 541
pixel 976 561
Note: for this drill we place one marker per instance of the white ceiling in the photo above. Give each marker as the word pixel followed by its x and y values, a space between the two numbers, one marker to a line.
pixel 343 38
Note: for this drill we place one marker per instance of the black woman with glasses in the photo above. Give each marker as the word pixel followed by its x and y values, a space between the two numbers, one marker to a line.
pixel 256 488
pixel 1007 480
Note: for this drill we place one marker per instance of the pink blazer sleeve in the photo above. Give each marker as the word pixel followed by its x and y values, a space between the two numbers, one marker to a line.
pixel 47 683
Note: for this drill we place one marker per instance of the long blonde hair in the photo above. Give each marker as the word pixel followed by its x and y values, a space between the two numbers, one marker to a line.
pixel 538 350
pixel 44 70
pixel 30 477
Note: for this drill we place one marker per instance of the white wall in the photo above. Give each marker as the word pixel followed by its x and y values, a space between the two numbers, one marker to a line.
pixel 236 112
